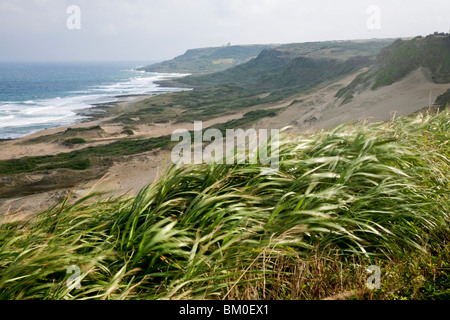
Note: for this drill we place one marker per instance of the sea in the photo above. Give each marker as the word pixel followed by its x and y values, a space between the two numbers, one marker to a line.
pixel 38 95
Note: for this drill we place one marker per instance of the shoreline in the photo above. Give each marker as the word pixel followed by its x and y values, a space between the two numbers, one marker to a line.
pixel 20 207
pixel 96 112
pixel 125 176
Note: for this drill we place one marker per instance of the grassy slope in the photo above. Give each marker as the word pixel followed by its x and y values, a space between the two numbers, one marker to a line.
pixel 82 159
pixel 207 60
pixel 402 57
pixel 195 105
pixel 294 66
pixel 342 200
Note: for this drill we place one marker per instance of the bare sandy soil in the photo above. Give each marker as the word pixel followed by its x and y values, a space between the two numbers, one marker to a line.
pixel 318 109
pixel 321 110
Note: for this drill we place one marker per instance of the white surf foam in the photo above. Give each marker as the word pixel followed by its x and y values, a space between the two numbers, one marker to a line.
pixel 16 116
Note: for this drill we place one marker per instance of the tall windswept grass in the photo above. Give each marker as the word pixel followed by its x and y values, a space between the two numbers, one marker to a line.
pixel 342 199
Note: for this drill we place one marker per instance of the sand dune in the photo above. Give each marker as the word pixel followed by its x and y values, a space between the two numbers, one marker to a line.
pixel 321 110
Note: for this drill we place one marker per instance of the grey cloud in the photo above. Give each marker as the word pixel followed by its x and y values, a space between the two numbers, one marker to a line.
pixel 161 29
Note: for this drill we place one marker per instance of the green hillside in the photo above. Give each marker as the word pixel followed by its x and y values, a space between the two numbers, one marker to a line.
pixel 402 57
pixel 294 66
pixel 206 60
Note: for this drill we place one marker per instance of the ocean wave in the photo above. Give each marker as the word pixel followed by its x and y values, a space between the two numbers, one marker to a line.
pixel 20 118
pixel 4 118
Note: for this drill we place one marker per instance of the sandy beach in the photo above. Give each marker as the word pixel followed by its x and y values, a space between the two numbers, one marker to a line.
pixel 125 177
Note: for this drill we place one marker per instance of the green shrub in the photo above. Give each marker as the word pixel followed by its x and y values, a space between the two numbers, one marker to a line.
pixel 74 141
pixel 128 132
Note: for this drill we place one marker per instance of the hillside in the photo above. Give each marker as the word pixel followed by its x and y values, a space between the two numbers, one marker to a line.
pixel 293 67
pixel 206 60
pixel 402 57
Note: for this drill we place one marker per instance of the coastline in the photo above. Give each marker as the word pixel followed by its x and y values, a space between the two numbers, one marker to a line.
pixel 304 112
pixel 124 177
pixel 20 207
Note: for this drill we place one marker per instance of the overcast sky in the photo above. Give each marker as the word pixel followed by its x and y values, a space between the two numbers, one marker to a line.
pixel 148 30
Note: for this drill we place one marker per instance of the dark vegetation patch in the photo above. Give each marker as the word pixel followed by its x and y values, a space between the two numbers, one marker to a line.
pixel 443 100
pixel 74 141
pixel 397 60
pixel 128 132
pixel 72 135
